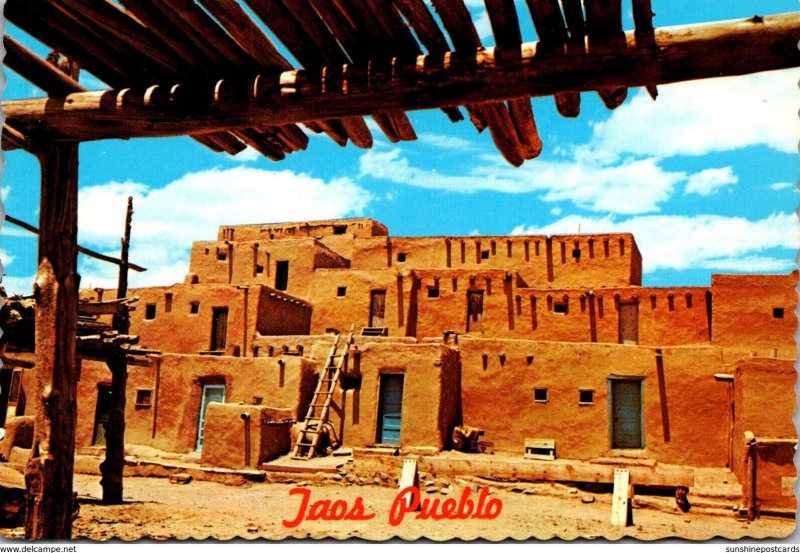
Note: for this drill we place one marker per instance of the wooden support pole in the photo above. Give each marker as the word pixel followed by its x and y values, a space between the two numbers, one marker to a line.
pixel 48 475
pixel 112 467
pixel 121 321
pixel 683 53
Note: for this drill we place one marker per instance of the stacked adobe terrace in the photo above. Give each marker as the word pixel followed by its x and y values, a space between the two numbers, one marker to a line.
pixel 525 337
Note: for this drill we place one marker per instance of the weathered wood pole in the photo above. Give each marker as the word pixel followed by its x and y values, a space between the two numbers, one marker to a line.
pixel 112 467
pixel 48 475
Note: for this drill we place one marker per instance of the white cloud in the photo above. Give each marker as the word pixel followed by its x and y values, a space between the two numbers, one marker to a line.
pixel 248 154
pixel 6 258
pixel 4 191
pixel 682 242
pixel 703 116
pixel 782 186
pixel 710 181
pixel 632 186
pixel 445 141
pixel 556 211
pixel 167 220
pixel 18 285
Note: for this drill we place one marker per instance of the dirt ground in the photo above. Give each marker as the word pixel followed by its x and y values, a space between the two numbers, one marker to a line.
pixel 158 509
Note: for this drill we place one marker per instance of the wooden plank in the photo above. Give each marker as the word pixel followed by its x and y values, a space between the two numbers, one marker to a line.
pixel 457 22
pixel 246 33
pixel 395 125
pixel 505 24
pixel 13 139
pixel 690 52
pixel 604 28
pixel 261 143
pixel 38 71
pixel 620 501
pixel 525 125
pixel 425 26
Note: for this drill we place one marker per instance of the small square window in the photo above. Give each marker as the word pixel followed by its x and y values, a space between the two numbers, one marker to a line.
pixel 340 229
pixel 560 307
pixel 401 257
pixel 485 254
pixel 341 291
pixel 150 311
pixel 540 395
pixel 194 307
pixel 433 291
pixel 777 312
pixel 144 398
pixel 259 269
pixel 576 253
pixel 222 256
pixel 585 397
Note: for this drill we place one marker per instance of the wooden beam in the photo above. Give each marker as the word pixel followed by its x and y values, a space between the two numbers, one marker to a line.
pixel 683 53
pixel 48 474
pixel 38 71
pixel 81 249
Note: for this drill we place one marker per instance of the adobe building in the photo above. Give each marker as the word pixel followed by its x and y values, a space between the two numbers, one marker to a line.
pixel 524 337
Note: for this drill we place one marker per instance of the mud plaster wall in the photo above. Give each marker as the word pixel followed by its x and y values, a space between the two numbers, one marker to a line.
pixel 764 402
pixel 684 414
pixel 361 227
pixel 231 441
pixel 279 315
pixel 743 312
pixel 139 419
pixel 430 404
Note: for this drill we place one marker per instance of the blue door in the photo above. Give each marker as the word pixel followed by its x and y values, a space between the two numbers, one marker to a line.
pixel 390 409
pixel 626 414
pixel 211 392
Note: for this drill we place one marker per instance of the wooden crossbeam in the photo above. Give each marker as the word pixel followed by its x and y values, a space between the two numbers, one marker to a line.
pixel 37 71
pixel 683 53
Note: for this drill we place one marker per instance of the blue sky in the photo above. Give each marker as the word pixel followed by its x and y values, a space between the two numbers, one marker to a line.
pixel 705 177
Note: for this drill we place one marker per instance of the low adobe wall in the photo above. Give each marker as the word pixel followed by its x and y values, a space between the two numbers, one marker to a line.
pixel 685 410
pixel 238 436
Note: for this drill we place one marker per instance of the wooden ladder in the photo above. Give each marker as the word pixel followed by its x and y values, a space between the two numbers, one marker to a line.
pixel 318 409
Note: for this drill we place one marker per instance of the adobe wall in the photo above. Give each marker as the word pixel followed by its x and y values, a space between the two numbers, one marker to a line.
pixel 279 314
pixel 430 402
pixel 764 403
pixel 357 227
pixel 685 410
pixel 744 314
pixel 558 261
pixel 176 382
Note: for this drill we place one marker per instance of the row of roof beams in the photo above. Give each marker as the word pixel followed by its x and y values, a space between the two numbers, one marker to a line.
pixel 359 58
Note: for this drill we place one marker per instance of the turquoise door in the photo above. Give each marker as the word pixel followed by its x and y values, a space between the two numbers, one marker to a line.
pixel 211 392
pixel 390 409
pixel 626 414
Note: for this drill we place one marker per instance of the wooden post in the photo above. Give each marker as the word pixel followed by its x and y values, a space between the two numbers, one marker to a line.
pixel 48 475
pixel 121 320
pixel 112 467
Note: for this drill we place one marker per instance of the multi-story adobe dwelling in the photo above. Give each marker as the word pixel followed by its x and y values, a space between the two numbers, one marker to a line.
pixel 524 337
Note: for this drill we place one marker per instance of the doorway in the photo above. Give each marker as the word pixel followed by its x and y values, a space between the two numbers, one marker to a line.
pixel 377 308
pixel 628 323
pixel 625 413
pixel 281 275
pixel 219 328
pixel 390 409
pixel 101 413
pixel 5 388
pixel 474 310
pixel 211 392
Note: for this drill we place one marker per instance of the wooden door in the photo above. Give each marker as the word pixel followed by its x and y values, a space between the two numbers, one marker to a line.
pixel 629 323
pixel 101 414
pixel 626 413
pixel 390 409
pixel 377 308
pixel 219 328
pixel 211 392
pixel 474 310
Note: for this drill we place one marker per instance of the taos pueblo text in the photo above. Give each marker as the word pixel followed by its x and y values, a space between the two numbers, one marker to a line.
pixel 407 502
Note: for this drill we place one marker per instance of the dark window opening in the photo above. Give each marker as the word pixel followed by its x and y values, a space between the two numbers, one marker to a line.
pixel 351 382
pixel 540 395
pixel 144 398
pixel 433 291
pixel 401 257
pixel 222 256
pixel 585 396
pixel 281 275
pixel 560 307
pixel 194 308
pixel 259 269
pixel 777 312
pixel 485 254
pixel 341 291
pixel 150 311
pixel 576 254
pixel 339 229
pixel 167 302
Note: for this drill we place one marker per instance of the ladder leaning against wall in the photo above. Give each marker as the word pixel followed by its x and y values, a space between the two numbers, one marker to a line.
pixel 318 409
